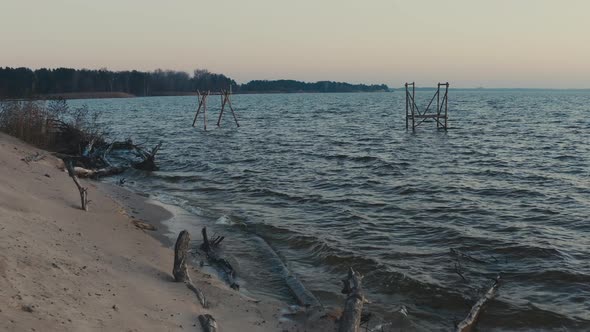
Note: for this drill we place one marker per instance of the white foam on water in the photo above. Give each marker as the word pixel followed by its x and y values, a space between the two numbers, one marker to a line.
pixel 223 220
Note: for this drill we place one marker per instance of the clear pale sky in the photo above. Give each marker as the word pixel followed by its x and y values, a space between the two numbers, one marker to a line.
pixel 470 43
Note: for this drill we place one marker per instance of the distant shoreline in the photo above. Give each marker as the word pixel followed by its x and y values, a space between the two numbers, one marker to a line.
pixel 67 82
pixel 84 95
pixel 108 95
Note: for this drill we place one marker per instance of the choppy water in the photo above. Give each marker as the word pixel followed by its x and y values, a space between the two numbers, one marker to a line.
pixel 335 180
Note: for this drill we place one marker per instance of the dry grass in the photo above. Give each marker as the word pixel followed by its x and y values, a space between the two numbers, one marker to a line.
pixel 50 124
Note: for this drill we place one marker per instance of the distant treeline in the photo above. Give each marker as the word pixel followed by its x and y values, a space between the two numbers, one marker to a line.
pixel 24 82
pixel 297 86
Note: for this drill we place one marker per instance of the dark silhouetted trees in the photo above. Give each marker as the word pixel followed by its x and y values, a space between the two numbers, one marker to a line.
pixel 24 82
pixel 297 86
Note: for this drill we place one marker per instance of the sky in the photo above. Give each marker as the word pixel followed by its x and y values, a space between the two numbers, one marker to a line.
pixel 469 43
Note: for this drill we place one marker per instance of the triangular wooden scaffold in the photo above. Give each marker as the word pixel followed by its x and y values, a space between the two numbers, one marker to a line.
pixel 225 100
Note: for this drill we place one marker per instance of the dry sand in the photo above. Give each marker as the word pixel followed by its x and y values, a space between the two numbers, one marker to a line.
pixel 64 269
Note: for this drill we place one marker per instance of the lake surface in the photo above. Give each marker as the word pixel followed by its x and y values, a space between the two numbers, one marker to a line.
pixel 335 180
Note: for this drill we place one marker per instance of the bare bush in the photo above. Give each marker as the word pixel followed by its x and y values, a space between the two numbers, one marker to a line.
pixel 75 135
pixel 51 124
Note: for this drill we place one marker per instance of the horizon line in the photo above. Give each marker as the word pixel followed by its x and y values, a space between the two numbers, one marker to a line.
pixel 304 81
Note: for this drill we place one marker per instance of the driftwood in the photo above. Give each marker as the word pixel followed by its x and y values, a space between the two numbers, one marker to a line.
pixel 214 258
pixel 98 165
pixel 143 225
pixel 207 245
pixel 88 149
pixel 208 323
pixel 180 270
pixel 353 306
pixel 469 322
pixel 148 163
pixel 303 296
pixel 96 173
pixel 33 157
pixel 93 161
pixel 83 191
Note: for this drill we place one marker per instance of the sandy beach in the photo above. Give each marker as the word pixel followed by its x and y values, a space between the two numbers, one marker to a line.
pixel 64 269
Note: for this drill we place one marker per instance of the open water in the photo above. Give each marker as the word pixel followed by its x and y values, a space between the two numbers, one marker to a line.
pixel 332 181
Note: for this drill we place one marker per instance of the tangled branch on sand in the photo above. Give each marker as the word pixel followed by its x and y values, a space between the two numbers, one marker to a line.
pixel 34 157
pixel 83 191
pixel 180 270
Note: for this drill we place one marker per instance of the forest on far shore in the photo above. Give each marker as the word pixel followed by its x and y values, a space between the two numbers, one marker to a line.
pixel 28 83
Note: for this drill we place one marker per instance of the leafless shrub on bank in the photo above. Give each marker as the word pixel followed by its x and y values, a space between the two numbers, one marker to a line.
pixel 51 124
pixel 74 134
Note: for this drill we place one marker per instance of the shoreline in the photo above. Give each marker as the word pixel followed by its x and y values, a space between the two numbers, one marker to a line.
pixel 141 208
pixel 124 95
pixel 169 220
pixel 120 95
pixel 62 268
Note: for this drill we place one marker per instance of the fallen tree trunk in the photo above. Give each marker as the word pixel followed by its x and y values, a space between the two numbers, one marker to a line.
pixel 469 322
pixel 214 258
pixel 93 161
pixel 353 306
pixel 208 323
pixel 96 173
pixel 180 270
pixel 303 296
pixel 83 191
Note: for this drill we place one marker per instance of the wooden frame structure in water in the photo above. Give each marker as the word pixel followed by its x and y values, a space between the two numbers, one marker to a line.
pixel 225 100
pixel 413 112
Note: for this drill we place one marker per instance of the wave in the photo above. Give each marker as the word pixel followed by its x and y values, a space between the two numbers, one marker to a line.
pixel 330 183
